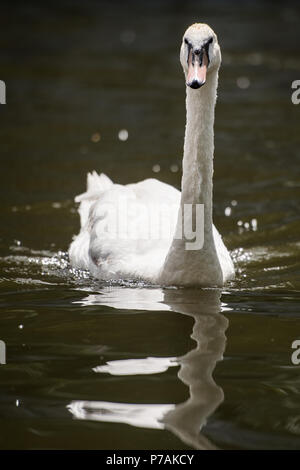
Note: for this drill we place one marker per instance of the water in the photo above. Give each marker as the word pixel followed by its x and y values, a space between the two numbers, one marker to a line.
pixel 94 365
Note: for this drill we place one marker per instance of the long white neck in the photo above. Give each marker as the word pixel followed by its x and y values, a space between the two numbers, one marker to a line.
pixel 197 166
pixel 181 265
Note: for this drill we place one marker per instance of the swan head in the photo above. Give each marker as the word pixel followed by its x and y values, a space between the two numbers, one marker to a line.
pixel 199 54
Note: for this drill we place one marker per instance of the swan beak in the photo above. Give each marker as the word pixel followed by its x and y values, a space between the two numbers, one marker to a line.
pixel 196 76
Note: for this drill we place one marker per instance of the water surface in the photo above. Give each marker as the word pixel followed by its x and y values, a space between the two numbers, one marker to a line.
pixel 123 365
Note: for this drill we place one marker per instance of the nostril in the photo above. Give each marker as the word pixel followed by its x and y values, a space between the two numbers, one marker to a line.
pixel 195 84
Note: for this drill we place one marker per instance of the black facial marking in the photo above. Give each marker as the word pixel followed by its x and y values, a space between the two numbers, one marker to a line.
pixel 206 47
pixel 201 56
pixel 198 52
pixel 189 45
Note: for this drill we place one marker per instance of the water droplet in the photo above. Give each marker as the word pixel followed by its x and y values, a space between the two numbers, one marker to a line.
pixel 234 203
pixel 95 137
pixel 156 168
pixel 83 149
pixel 254 224
pixel 243 82
pixel 174 168
pixel 228 211
pixel 255 58
pixel 128 36
pixel 123 135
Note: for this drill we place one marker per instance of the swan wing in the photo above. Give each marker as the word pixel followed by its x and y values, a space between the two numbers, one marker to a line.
pixel 126 231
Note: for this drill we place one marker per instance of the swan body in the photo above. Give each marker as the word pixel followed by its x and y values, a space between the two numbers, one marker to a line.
pixel 131 231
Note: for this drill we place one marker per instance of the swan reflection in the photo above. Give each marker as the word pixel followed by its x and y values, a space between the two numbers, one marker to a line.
pixel 142 416
pixel 127 298
pixel 149 365
pixel 196 367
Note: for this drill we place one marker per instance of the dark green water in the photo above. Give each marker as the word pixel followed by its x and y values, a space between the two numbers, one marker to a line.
pixel 200 369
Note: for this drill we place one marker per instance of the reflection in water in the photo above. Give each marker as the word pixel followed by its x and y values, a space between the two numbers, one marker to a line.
pixel 142 416
pixel 196 367
pixel 133 299
pixel 149 365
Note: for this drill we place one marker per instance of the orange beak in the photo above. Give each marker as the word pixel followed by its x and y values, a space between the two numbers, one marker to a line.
pixel 196 76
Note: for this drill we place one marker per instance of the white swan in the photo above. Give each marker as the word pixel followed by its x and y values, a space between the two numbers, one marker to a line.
pixel 121 234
